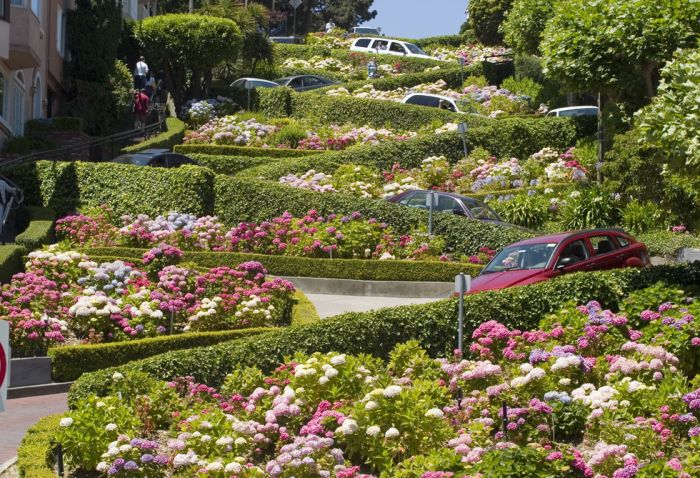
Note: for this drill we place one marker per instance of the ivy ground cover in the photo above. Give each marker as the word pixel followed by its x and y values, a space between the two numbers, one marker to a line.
pixel 589 393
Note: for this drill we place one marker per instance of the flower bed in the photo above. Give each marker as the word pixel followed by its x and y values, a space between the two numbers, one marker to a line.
pixel 313 235
pixel 64 297
pixel 232 130
pixel 590 392
pixel 471 53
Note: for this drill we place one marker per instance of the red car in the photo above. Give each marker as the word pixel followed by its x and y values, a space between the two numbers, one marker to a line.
pixel 541 258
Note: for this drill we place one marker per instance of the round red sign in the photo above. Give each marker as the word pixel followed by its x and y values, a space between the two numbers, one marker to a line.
pixel 3 365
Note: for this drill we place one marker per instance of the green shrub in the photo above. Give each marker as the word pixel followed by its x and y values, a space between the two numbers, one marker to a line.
pixel 57 123
pixel 230 150
pixel 166 139
pixel 69 362
pixel 290 134
pixel 377 332
pixel 225 164
pixel 667 243
pixel 289 266
pixel 36 454
pixel 485 17
pixel 275 102
pixel 11 261
pixel 21 145
pixel 639 217
pixel 524 210
pixel 40 229
pixel 524 86
pixel 591 208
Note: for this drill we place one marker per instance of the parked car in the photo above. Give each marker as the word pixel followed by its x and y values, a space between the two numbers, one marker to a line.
pixel 252 83
pixel 366 31
pixel 162 158
pixel 542 258
pixel 290 39
pixel 435 101
pixel 385 46
pixel 450 203
pixel 304 82
pixel 573 111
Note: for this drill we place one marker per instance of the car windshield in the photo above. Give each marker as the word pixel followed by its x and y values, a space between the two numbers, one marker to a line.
pixel 480 210
pixel 282 81
pixel 531 256
pixel 366 30
pixel 414 49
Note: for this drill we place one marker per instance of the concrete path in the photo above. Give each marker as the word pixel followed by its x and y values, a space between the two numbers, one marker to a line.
pixel 328 305
pixel 22 413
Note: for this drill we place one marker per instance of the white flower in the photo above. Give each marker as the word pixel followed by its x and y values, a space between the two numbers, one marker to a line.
pixel 100 404
pixel 373 431
pixel 349 426
pixel 224 441
pixel 331 372
pixel 111 427
pixel 117 376
pixel 434 413
pixel 215 466
pixel 240 441
pixel 392 391
pixel 102 467
pixel 338 360
pixel 125 448
pixel 371 405
pixel 233 467
pixel 205 438
pixel 391 433
pixel 565 382
pixel 66 422
pixel 323 380
pixel 113 451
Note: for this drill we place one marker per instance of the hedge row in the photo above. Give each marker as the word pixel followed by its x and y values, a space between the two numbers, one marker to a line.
pixel 11 261
pixel 68 362
pixel 37 127
pixel 377 332
pixel 167 139
pixel 231 164
pixel 36 454
pixel 231 150
pixel 356 269
pixel 555 187
pixel 305 52
pixel 255 201
pixel 64 187
pixel 40 228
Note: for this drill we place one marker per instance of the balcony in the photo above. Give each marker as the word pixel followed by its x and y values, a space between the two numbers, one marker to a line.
pixel 26 39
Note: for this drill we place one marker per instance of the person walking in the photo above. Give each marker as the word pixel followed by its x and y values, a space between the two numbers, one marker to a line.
pixel 140 108
pixel 330 26
pixel 140 73
pixel 150 85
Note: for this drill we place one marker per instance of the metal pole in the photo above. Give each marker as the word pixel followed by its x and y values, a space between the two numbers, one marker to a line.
pixel 191 6
pixel 248 98
pixel 294 27
pixel 505 421
pixel 601 138
pixel 464 143
pixel 460 317
pixel 59 459
pixel 431 198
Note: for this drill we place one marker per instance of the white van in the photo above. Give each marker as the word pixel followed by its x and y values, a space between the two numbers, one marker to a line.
pixel 574 111
pixel 384 46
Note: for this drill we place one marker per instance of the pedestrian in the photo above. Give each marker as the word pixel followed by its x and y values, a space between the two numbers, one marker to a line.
pixel 140 108
pixel 330 26
pixel 140 73
pixel 150 85
pixel 371 69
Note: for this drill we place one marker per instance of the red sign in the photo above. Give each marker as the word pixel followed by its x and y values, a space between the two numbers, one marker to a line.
pixel 3 365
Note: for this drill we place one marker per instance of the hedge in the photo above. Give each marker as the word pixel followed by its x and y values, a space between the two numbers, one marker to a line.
pixel 11 261
pixel 555 187
pixel 306 52
pixel 230 150
pixel 231 164
pixel 68 362
pixel 40 229
pixel 58 123
pixel 167 139
pixel 377 332
pixel 36 453
pixel 64 187
pixel 357 269
pixel 254 200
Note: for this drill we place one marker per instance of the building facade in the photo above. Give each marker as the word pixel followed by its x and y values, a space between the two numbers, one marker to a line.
pixel 32 54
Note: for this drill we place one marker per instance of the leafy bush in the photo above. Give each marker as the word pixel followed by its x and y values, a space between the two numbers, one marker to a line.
pixel 71 361
pixel 667 243
pixel 530 211
pixel 356 269
pixel 377 332
pixel 40 229
pixel 275 102
pixel 20 145
pixel 36 454
pixel 57 123
pixel 485 17
pixel 175 130
pixel 524 86
pixel 230 150
pixel 11 261
pixel 590 208
pixel 230 164
pixel 639 217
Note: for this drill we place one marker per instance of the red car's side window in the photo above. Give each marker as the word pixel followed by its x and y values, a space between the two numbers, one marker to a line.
pixel 573 252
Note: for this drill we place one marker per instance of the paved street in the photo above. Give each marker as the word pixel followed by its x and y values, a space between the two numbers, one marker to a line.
pixel 328 305
pixel 20 414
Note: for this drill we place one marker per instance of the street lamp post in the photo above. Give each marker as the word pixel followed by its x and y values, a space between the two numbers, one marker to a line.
pixel 463 128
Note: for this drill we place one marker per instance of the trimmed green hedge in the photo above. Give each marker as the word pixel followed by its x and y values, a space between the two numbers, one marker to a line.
pixel 377 332
pixel 58 123
pixel 230 150
pixel 166 139
pixel 225 164
pixel 68 362
pixel 11 261
pixel 36 453
pixel 254 200
pixel 40 229
pixel 357 269
pixel 64 187
pixel 555 187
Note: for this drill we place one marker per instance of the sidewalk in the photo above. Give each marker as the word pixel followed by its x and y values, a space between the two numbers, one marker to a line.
pixel 22 413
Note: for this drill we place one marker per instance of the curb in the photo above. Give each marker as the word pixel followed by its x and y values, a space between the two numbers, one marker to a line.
pixel 368 288
pixel 38 390
pixel 7 465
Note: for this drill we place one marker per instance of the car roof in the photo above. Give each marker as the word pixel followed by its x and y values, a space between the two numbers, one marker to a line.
pixel 561 236
pixel 444 193
pixel 572 108
pixel 432 95
pixel 152 151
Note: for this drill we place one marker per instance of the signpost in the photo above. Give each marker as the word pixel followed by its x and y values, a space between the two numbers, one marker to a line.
pixel 4 362
pixel 295 4
pixel 431 202
pixel 462 286
pixel 463 128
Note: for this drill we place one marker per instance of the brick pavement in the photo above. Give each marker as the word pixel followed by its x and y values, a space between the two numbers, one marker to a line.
pixel 22 413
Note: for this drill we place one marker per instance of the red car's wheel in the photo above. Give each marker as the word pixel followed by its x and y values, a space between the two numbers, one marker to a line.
pixel 634 262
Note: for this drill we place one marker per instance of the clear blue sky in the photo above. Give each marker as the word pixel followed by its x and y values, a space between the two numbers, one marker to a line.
pixel 419 18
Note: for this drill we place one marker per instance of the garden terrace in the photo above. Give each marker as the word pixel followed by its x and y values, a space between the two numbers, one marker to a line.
pixel 376 332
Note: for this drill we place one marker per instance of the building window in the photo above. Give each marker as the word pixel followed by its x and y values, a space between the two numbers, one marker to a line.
pixel 36 9
pixel 60 31
pixel 17 3
pixel 18 105
pixel 5 10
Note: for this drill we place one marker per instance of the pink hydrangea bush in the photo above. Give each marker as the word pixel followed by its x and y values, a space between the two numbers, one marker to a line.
pixel 590 393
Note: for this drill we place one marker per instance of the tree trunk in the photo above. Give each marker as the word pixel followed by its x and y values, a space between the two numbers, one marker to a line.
pixel 648 74
pixel 207 82
pixel 196 84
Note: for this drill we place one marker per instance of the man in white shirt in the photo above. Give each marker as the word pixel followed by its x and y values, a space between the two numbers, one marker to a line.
pixel 330 26
pixel 140 74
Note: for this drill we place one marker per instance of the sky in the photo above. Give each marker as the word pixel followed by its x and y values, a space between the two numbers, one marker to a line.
pixel 418 18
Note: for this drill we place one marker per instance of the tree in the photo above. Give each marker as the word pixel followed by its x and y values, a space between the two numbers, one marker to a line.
pixel 92 28
pixel 485 18
pixel 189 46
pixel 524 24
pixel 608 45
pixel 672 121
pixel 344 13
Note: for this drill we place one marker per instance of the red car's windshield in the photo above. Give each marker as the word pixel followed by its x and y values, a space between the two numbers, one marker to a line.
pixel 531 256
